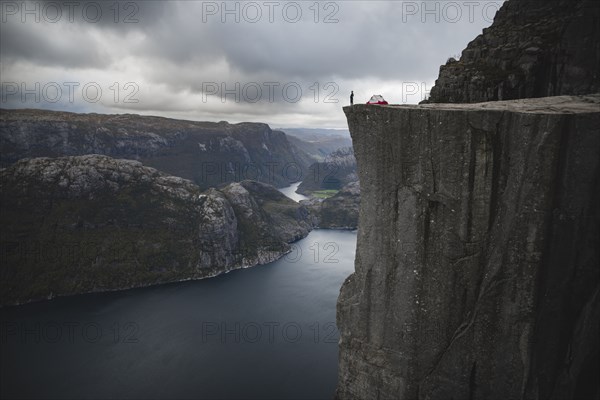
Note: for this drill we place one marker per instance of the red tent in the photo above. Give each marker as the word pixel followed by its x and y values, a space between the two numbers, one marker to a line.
pixel 377 99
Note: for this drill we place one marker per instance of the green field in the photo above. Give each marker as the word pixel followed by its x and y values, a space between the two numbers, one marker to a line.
pixel 325 194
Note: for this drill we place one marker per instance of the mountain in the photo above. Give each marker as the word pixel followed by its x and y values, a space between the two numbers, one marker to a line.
pixel 208 153
pixel 94 223
pixel 339 211
pixel 533 49
pixel 333 173
pixel 316 134
pixel 320 148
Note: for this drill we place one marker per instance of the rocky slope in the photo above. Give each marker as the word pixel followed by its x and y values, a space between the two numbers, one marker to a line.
pixel 321 146
pixel 337 170
pixel 337 212
pixel 533 49
pixel 93 223
pixel 477 266
pixel 208 153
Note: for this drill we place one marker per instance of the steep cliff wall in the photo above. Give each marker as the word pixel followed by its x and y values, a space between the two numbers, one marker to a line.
pixel 208 153
pixel 477 266
pixel 533 49
pixel 336 212
pixel 333 173
pixel 93 223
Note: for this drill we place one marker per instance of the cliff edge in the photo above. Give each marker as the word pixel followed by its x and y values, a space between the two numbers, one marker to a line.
pixel 477 266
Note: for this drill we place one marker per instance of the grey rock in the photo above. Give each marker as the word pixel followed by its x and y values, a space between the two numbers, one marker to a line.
pixel 319 147
pixel 333 173
pixel 477 264
pixel 93 223
pixel 337 212
pixel 208 153
pixel 533 49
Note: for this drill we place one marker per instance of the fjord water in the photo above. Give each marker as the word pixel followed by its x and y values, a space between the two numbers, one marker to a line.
pixel 290 192
pixel 262 332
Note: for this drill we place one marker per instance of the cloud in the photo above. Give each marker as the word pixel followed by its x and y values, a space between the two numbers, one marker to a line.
pixel 203 60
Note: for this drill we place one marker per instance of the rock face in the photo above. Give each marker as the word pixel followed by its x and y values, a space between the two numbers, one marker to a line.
pixel 319 147
pixel 477 266
pixel 333 173
pixel 533 49
pixel 208 153
pixel 93 223
pixel 267 214
pixel 337 212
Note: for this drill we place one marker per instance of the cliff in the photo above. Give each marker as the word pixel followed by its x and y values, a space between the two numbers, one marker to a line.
pixel 477 266
pixel 533 49
pixel 319 147
pixel 333 173
pixel 208 153
pixel 339 211
pixel 93 223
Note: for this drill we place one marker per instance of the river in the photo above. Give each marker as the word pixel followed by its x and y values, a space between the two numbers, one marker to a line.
pixel 290 192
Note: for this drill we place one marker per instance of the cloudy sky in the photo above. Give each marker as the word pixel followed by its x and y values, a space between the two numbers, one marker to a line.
pixel 289 64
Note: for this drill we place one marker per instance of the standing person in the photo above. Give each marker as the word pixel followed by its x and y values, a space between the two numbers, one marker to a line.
pixel 352 98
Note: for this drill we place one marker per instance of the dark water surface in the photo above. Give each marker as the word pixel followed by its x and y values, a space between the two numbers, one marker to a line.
pixel 263 332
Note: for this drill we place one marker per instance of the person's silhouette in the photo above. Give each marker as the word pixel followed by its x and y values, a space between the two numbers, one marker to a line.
pixel 352 98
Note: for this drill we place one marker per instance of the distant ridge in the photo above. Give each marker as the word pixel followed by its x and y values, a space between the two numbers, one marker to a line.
pixel 208 153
